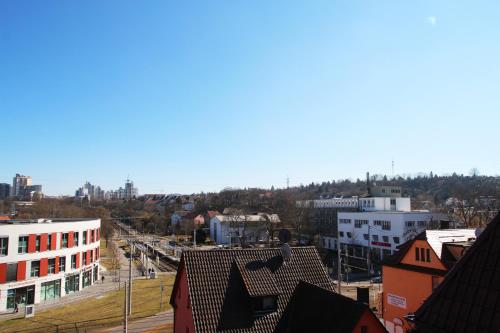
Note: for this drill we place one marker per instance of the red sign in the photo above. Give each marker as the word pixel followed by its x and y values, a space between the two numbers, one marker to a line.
pixel 382 244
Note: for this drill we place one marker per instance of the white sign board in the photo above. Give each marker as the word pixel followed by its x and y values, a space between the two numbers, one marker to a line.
pixel 395 300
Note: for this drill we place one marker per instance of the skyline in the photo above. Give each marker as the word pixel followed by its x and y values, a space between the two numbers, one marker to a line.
pixel 189 98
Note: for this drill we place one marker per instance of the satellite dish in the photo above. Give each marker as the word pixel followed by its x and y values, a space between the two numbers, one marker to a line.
pixel 286 252
pixel 284 235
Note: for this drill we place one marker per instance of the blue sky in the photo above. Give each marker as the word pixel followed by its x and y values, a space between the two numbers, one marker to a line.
pixel 192 96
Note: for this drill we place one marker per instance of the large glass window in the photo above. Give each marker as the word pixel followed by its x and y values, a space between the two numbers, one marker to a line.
pixel 75 235
pixel 52 266
pixel 64 240
pixel 62 264
pixel 21 296
pixel 73 261
pixel 84 258
pixel 37 243
pixel 92 236
pixel 72 283
pixel 4 246
pixel 87 279
pixel 35 268
pixel 50 290
pixel 23 244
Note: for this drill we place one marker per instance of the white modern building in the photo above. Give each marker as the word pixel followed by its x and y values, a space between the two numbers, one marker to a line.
pixel 381 224
pixel 46 259
pixel 231 229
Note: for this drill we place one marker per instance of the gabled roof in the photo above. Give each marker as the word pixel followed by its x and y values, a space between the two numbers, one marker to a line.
pixel 436 239
pixel 468 299
pixel 223 282
pixel 315 309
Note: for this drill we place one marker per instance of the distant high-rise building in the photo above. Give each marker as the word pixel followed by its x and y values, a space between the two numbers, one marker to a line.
pixel 22 188
pixel 18 183
pixel 130 190
pixel 90 191
pixel 4 191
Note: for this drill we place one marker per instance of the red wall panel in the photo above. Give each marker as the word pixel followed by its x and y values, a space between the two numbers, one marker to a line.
pixel 78 260
pixel 21 270
pixel 3 273
pixel 31 243
pixel 43 242
pixel 57 265
pixel 88 258
pixel 70 239
pixel 44 266
pixel 53 241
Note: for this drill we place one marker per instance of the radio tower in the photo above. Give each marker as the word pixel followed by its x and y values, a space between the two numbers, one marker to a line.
pixel 287 182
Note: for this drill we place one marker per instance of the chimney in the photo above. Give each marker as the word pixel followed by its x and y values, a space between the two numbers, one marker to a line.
pixel 368 188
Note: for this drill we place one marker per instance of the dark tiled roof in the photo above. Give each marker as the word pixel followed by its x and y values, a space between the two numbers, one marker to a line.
pixel 221 283
pixel 468 299
pixel 315 309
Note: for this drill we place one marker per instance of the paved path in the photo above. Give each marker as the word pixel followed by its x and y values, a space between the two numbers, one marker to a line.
pixel 96 290
pixel 161 322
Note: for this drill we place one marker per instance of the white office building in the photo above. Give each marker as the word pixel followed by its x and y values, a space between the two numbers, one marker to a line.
pixel 46 259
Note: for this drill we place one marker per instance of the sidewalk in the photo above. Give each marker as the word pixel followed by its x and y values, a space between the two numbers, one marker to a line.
pixel 96 290
pixel 161 322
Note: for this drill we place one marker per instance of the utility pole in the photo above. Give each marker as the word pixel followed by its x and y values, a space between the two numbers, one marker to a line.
pixel 130 279
pixel 125 314
pixel 161 295
pixel 369 259
pixel 339 268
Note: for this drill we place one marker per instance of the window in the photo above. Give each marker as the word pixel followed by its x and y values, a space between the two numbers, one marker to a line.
pixel 37 243
pixel 345 221
pixel 360 223
pixel 92 236
pixel 393 202
pixel 62 264
pixel 91 255
pixel 50 290
pixel 365 236
pixel 375 238
pixel 349 235
pixel 84 258
pixel 417 254
pixel 428 252
pixel 4 246
pixel 72 283
pixel 49 242
pixel 386 225
pixel 422 223
pixel 385 239
pixel 341 233
pixel 75 235
pixel 11 272
pixel 410 224
pixel 64 240
pixel 35 268
pixel 396 240
pixel 52 266
pixel 84 237
pixel 23 244
pixel 422 254
pixel 73 261
pixel 86 279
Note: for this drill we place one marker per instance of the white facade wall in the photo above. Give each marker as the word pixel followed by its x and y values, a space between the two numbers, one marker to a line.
pixel 220 232
pixel 380 238
pixel 17 229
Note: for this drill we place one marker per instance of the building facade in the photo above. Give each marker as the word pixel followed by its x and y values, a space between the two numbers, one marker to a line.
pixel 46 259
pixel 4 191
pixel 237 229
pixel 421 262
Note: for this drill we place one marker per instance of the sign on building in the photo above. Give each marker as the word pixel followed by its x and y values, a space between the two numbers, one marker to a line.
pixel 395 300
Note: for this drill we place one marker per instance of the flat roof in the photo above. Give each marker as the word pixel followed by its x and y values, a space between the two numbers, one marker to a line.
pixel 47 221
pixel 389 212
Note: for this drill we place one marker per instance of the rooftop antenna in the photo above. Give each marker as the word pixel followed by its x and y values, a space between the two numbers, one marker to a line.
pixel 368 188
pixel 392 168
pixel 287 181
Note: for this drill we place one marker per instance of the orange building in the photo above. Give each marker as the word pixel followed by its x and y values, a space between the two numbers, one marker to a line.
pixel 412 273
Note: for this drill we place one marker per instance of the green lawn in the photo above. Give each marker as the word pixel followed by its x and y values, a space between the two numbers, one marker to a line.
pixel 106 311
